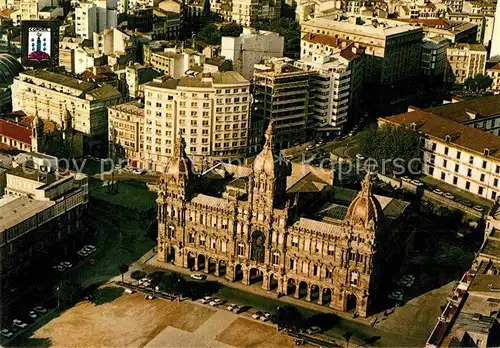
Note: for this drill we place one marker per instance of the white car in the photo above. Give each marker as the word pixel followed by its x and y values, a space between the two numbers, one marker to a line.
pixel 59 268
pixel 265 317
pixel 237 309
pixel 198 276
pixel 449 196
pixel 417 183
pixel 149 297
pixel 18 323
pixel 83 252
pixel 405 178
pixel 438 192
pixel 90 248
pixel 257 315
pixel 360 156
pixel 32 315
pixel 205 299
pixel 215 302
pixel 396 295
pixel 231 307
pixel 6 333
pixel 66 264
pixel 40 309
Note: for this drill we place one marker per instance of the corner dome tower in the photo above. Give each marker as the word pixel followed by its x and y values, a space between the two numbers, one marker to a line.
pixel 365 209
pixel 264 162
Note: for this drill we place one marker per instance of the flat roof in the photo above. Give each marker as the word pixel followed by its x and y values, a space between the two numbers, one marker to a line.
pixel 467 137
pixel 20 209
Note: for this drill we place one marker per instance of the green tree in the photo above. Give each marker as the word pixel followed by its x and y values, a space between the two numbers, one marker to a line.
pixel 67 290
pixel 209 34
pixel 123 268
pixel 391 149
pixel 231 29
pixel 175 283
pixel 483 82
pixel 288 317
pixel 470 84
pixel 286 27
pixel 137 274
pixel 347 337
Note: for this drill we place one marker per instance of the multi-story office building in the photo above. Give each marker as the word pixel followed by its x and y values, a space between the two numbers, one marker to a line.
pixel 60 98
pixel 29 9
pixel 43 218
pixel 93 16
pixel 392 51
pixel 126 132
pixel 484 22
pixel 464 61
pixel 455 31
pixel 210 110
pixel 223 9
pixel 459 155
pixel 433 62
pixel 247 12
pixel 281 94
pixel 250 48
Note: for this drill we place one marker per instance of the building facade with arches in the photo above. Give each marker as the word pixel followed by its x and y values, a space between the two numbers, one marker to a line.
pixel 265 225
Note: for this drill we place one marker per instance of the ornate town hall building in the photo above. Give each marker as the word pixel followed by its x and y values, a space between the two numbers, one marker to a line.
pixel 249 224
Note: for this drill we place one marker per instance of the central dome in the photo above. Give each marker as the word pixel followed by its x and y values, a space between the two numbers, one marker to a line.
pixel 365 208
pixel 264 162
pixel 179 165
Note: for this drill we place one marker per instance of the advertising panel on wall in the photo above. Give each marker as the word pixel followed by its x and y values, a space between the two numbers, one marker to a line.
pixel 40 43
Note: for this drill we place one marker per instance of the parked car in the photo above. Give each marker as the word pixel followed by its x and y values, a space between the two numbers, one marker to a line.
pixel 449 196
pixel 32 315
pixel 257 315
pixel 265 317
pixel 215 302
pixel 231 307
pixel 145 281
pixel 438 191
pixel 238 309
pixel 66 264
pixel 313 330
pixel 467 204
pixel 417 183
pixel 40 310
pixel 90 248
pixel 83 252
pixel 149 297
pixel 396 295
pixel 137 172
pixel 205 299
pixel 18 323
pixel 59 268
pixel 6 333
pixel 198 276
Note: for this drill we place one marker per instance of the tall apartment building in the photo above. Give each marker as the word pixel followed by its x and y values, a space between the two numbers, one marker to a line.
pixel 136 76
pixel 43 219
pixel 60 98
pixel 29 8
pixel 433 59
pixel 336 88
pixel 247 12
pixel 464 61
pixel 250 48
pixel 210 110
pixel 484 22
pixel 93 16
pixel 459 155
pixel 493 71
pixel 281 94
pixel 392 51
pixel 495 41
pixel 126 132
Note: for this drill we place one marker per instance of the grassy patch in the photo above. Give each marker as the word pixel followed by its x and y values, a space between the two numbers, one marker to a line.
pixel 106 295
pixel 131 195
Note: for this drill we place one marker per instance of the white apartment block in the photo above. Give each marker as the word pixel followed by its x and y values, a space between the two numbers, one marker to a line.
pixel 30 8
pixel 246 12
pixel 210 110
pixel 464 61
pixel 495 41
pixel 93 17
pixel 459 155
pixel 330 90
pixel 494 73
pixel 174 62
pixel 250 48
pixel 54 97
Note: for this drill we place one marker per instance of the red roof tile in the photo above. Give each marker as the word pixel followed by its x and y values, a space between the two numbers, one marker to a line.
pixel 16 132
pixel 324 40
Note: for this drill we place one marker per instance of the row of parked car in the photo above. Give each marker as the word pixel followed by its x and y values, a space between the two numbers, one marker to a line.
pixel 18 324
pixel 406 281
pixel 87 250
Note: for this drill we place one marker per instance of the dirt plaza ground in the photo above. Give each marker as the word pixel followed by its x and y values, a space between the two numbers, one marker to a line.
pixel 132 321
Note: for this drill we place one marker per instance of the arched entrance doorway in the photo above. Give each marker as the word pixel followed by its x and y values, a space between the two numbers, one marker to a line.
pixel 351 303
pixel 258 246
pixel 273 283
pixel 190 261
pixel 314 292
pixel 171 254
pixel 290 286
pixel 201 262
pixel 302 289
pixel 211 265
pixel 222 268
pixel 238 272
pixel 327 296
pixel 256 276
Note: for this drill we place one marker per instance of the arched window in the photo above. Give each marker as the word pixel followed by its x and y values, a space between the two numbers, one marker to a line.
pixel 276 258
pixel 354 278
pixel 241 249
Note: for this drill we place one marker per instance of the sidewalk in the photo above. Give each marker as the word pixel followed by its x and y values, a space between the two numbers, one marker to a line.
pixel 258 291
